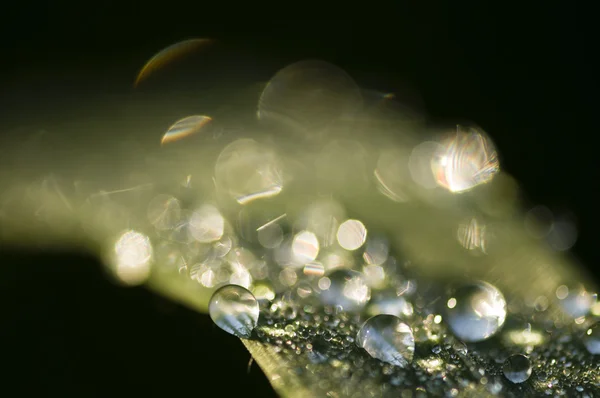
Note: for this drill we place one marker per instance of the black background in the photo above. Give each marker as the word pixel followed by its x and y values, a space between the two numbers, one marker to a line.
pixel 523 72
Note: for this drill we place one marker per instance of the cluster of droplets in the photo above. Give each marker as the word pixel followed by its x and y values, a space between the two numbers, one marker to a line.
pixel 319 285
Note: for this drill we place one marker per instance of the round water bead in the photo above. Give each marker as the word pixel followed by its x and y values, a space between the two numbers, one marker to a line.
pixel 235 310
pixel 517 368
pixel 591 339
pixel 388 339
pixel 476 311
pixel 346 289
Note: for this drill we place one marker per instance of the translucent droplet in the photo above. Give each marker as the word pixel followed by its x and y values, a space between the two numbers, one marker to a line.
pixel 235 310
pixel 591 339
pixel 346 289
pixel 307 96
pixel 517 368
pixel 388 339
pixel 247 170
pixel 184 128
pixel 577 301
pixel 390 304
pixel 206 224
pixel 132 258
pixel 466 159
pixel 352 234
pixel 476 311
pixel 164 212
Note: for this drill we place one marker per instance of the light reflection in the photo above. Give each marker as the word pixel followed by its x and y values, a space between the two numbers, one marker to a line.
pixel 184 128
pixel 133 257
pixel 472 235
pixel 305 247
pixel 314 269
pixel 169 55
pixel 464 160
pixel 351 234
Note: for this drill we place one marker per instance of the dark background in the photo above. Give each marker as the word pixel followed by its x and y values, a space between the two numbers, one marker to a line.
pixel 521 72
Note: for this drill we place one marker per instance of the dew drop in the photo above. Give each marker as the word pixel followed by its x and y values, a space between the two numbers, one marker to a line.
pixel 477 312
pixel 517 368
pixel 235 310
pixel 345 288
pixel 387 338
pixel 591 339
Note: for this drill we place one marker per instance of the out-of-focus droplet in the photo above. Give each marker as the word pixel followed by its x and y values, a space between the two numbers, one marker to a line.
pixel 591 339
pixel 322 218
pixel 270 236
pixel 392 174
pixel 184 128
pixel 263 291
pixel 305 247
pixel 164 212
pixel 346 289
pixel 376 251
pixel 314 269
pixel 375 276
pixel 563 234
pixel 476 311
pixel 206 224
pixel 465 159
pixel 169 55
pixel 351 234
pixel 132 258
pixel 419 164
pixel 246 171
pixel 235 310
pixel 523 337
pixel 307 96
pixel 388 339
pixel 576 301
pixel 517 368
pixel 472 235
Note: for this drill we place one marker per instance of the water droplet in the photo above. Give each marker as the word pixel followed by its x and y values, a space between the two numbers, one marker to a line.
pixel 517 368
pixel 388 339
pixel 591 339
pixel 247 170
pixel 477 312
pixel 235 310
pixel 577 301
pixel 466 159
pixel 307 96
pixel 346 289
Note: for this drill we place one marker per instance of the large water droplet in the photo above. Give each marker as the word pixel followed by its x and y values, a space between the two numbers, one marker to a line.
pixel 517 368
pixel 388 339
pixel 591 339
pixel 346 289
pixel 235 310
pixel 476 311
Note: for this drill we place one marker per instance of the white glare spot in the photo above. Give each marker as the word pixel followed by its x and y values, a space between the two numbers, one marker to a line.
pixel 206 224
pixel 305 247
pixel 352 234
pixel 133 257
pixel 466 159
